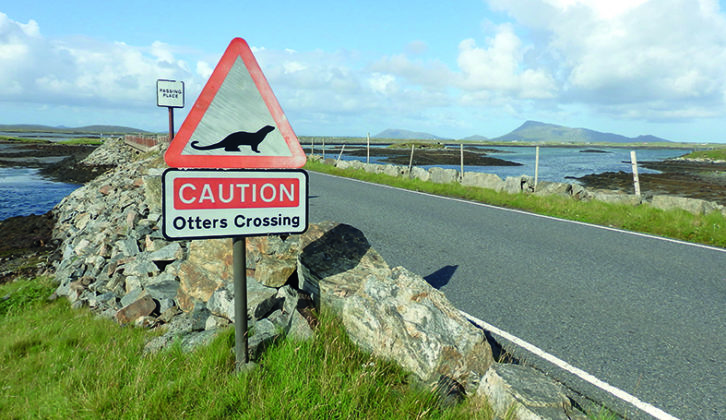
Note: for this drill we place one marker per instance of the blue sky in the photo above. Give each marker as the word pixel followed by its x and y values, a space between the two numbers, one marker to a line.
pixel 453 69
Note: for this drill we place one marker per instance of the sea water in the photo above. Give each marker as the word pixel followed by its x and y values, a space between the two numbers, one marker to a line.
pixel 23 191
pixel 556 164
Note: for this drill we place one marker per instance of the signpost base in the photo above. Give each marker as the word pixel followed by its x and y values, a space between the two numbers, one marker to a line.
pixel 239 257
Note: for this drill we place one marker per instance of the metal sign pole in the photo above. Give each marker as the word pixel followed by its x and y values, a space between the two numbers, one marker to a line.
pixel 171 123
pixel 239 258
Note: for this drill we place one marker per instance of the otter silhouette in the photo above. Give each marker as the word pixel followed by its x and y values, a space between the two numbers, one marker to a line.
pixel 232 142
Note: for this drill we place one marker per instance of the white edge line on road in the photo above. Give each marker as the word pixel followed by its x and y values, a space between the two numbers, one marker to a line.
pixel 616 392
pixel 461 200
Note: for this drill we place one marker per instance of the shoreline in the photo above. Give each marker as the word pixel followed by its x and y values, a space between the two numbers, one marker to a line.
pixel 57 162
pixel 688 178
pixel 28 244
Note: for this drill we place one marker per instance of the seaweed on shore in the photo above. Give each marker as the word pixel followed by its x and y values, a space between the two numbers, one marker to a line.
pixel 422 157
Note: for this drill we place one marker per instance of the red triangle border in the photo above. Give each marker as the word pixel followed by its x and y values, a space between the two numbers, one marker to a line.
pixel 173 156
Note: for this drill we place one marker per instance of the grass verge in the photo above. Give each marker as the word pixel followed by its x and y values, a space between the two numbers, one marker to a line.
pixel 677 224
pixel 717 154
pixel 62 363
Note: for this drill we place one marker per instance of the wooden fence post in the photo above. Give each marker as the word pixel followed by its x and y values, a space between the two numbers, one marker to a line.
pixel 410 161
pixel 341 153
pixel 461 173
pixel 536 167
pixel 636 180
pixel 368 148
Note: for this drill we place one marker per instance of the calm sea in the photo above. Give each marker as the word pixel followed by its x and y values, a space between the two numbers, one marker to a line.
pixel 23 191
pixel 555 163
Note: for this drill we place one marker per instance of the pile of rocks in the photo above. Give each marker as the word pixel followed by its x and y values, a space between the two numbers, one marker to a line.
pixel 112 152
pixel 116 262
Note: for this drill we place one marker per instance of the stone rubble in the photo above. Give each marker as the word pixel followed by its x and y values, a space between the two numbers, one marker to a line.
pixel 116 262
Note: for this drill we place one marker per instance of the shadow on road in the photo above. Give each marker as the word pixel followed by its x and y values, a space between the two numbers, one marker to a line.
pixel 441 277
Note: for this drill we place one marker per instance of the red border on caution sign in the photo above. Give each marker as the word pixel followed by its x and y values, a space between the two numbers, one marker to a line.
pixel 174 157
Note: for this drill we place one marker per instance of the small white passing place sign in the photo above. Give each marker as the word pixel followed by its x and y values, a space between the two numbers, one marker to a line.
pixel 199 204
pixel 169 93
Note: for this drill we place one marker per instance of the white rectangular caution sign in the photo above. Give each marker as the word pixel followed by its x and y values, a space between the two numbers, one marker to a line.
pixel 210 203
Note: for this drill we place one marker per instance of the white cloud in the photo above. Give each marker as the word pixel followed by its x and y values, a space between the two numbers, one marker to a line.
pixel 663 57
pixel 80 71
pixel 162 52
pixel 293 67
pixel 430 75
pixel 605 9
pixel 204 70
pixel 381 83
pixel 636 59
pixel 499 68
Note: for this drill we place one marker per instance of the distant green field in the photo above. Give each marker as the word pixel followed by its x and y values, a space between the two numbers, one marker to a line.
pixel 717 154
pixel 78 140
pixel 21 140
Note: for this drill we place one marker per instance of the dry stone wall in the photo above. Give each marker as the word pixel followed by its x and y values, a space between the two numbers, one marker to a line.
pixel 525 184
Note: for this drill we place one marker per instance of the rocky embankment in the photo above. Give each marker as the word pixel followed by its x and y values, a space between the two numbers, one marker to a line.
pixel 115 261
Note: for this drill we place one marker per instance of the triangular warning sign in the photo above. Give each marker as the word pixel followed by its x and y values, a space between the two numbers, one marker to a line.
pixel 236 122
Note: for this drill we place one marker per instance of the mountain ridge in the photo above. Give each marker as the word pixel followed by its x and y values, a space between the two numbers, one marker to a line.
pixel 399 133
pixel 534 131
pixel 97 128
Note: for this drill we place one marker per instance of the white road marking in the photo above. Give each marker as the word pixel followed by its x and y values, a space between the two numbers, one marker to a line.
pixel 616 392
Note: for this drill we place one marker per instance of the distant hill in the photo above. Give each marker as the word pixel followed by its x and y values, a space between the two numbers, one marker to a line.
pixel 397 133
pixel 110 129
pixel 84 129
pixel 533 131
pixel 475 137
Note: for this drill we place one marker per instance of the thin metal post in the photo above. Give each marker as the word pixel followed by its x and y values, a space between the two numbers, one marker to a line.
pixel 323 148
pixel 239 257
pixel 536 167
pixel 636 180
pixel 171 124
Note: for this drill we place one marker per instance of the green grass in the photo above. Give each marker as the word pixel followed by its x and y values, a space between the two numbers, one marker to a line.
pixel 718 154
pixel 56 362
pixel 22 140
pixel 82 140
pixel 677 224
pixel 78 140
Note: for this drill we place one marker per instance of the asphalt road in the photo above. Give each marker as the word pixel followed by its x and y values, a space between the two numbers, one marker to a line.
pixel 643 314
